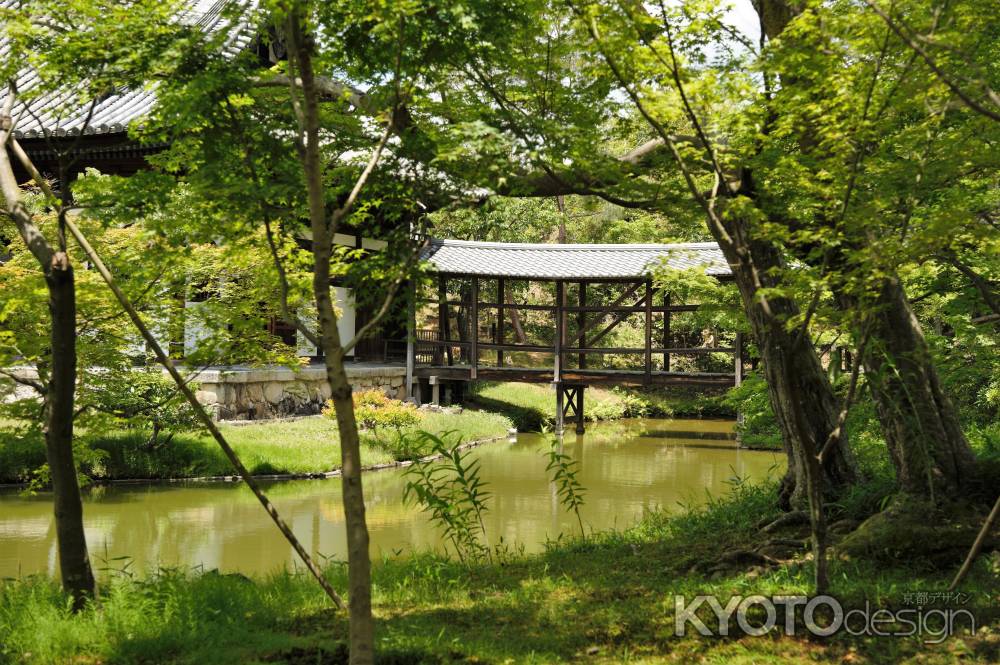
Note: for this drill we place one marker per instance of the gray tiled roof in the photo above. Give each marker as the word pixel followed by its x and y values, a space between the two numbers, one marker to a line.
pixel 570 261
pixel 56 112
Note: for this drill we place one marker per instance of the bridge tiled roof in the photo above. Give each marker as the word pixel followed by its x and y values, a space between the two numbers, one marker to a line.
pixel 564 261
pixel 60 113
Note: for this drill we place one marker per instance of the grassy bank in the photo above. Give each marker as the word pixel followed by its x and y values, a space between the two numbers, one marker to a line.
pixel 306 445
pixel 609 598
pixel 532 406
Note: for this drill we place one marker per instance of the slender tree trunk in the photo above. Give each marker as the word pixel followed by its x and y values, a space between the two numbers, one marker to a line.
pixel 362 625
pixel 74 562
pixel 799 389
pixel 928 448
pixel 515 322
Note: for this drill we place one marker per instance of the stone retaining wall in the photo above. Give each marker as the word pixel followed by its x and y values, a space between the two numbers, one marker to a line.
pixel 272 392
pixel 255 393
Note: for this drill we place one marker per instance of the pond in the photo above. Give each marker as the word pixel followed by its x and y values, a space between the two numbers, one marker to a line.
pixel 627 467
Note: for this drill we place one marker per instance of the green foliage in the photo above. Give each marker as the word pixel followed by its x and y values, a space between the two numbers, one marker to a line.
pixel 449 488
pixel 751 399
pixel 564 470
pixel 22 455
pixel 140 399
pixel 375 410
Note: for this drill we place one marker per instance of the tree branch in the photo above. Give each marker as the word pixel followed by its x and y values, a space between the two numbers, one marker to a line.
pixel 24 381
pixel 905 36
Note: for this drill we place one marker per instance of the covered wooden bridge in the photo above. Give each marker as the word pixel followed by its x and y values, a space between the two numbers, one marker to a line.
pixel 544 313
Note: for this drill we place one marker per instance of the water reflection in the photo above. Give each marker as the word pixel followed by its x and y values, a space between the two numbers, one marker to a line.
pixel 627 468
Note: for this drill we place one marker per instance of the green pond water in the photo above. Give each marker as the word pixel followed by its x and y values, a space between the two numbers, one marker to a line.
pixel 627 467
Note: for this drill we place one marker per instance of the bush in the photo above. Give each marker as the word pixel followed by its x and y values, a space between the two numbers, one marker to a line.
pixel 375 410
pixel 759 426
pixel 142 399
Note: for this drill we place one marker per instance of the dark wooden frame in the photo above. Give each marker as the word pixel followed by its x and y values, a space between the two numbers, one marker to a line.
pixel 581 345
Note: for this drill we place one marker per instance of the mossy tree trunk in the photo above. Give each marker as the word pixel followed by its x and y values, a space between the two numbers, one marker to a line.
pixel 928 449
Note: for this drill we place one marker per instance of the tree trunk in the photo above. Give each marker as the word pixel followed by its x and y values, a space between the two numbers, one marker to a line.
pixel 361 624
pixel 515 322
pixel 800 392
pixel 74 563
pixel 928 449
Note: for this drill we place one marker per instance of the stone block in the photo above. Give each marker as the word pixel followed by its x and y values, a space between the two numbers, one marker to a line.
pixel 274 391
pixel 207 397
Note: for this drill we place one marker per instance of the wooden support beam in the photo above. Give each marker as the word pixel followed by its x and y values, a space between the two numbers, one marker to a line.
pixel 608 309
pixel 501 317
pixel 474 333
pixel 411 346
pixel 560 409
pixel 444 317
pixel 560 333
pixel 580 425
pixel 649 329
pixel 617 319
pixel 614 307
pixel 581 324
pixel 666 330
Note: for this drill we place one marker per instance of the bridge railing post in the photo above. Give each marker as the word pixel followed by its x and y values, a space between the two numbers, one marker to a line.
pixel 560 332
pixel 474 333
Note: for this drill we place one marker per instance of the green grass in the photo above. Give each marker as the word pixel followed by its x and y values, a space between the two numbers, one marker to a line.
pixel 307 445
pixel 532 406
pixel 606 598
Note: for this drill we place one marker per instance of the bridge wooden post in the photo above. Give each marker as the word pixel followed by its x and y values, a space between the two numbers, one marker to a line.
pixel 580 428
pixel 560 409
pixel 501 317
pixel 560 332
pixel 444 320
pixel 411 332
pixel 666 330
pixel 474 333
pixel 581 325
pixel 649 332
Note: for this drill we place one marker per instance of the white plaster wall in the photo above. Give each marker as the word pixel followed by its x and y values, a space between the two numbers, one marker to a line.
pixel 344 302
pixel 195 330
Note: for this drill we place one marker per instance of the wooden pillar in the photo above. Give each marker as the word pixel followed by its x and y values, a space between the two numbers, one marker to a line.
pixel 560 409
pixel 580 428
pixel 560 332
pixel 501 317
pixel 411 331
pixel 666 330
pixel 581 325
pixel 738 359
pixel 435 390
pixel 649 330
pixel 444 320
pixel 474 332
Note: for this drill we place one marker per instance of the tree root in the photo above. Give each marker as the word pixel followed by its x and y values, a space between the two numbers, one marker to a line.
pixel 794 518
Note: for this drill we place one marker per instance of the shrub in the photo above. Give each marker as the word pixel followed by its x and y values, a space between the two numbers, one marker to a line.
pixel 138 399
pixel 759 426
pixel 375 410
